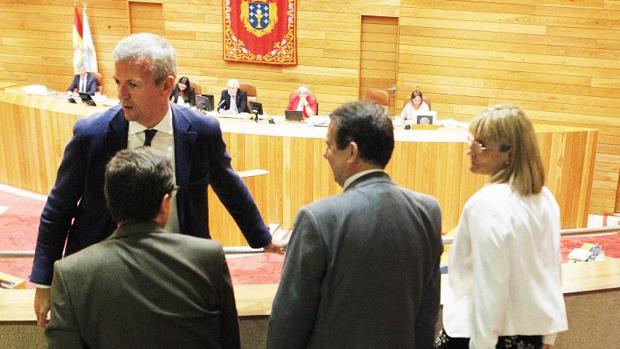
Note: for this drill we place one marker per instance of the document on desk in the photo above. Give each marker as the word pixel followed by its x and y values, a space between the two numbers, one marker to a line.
pixel 232 115
pixel 318 120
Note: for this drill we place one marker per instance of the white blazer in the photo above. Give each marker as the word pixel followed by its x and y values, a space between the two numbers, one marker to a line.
pixel 505 268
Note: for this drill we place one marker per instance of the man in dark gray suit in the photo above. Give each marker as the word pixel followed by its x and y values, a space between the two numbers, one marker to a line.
pixel 362 268
pixel 143 287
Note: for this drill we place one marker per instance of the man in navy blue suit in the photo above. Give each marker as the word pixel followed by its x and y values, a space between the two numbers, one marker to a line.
pixel 75 212
pixel 83 82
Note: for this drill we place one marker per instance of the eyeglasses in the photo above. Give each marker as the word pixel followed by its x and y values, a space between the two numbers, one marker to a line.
pixel 477 147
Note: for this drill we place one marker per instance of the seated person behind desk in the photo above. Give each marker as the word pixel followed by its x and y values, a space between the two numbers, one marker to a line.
pixel 414 105
pixel 143 287
pixel 233 94
pixel 183 93
pixel 303 101
pixel 83 82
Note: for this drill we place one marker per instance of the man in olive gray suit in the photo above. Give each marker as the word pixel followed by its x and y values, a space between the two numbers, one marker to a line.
pixel 362 268
pixel 143 287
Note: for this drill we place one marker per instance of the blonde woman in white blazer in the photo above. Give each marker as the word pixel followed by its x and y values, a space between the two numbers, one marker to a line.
pixel 505 265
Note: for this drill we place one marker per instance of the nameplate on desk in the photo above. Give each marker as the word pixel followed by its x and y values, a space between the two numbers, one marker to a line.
pixel 424 126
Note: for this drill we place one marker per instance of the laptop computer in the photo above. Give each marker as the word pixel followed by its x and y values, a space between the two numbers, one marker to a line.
pixel 426 118
pixel 256 108
pixel 294 115
pixel 87 99
pixel 204 102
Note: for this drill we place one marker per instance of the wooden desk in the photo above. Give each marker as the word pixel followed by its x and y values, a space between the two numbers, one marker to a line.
pixel 591 293
pixel 18 327
pixel 429 161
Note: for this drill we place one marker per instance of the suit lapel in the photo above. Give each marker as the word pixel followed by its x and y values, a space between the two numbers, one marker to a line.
pixel 116 136
pixel 184 139
pixel 238 102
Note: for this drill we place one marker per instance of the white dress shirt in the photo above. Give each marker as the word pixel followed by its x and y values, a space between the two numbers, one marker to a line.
pixel 164 142
pixel 352 178
pixel 233 104
pixel 301 104
pixel 82 84
pixel 409 113
pixel 505 268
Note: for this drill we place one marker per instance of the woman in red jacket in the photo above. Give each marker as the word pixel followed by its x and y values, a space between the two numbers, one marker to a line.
pixel 303 101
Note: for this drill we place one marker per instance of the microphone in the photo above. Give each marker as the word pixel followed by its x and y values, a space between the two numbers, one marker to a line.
pixel 219 105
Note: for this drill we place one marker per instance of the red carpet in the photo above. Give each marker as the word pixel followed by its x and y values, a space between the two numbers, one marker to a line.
pixel 18 231
pixel 19 220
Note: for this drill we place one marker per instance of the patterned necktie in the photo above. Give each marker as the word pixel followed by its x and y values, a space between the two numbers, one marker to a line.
pixel 148 136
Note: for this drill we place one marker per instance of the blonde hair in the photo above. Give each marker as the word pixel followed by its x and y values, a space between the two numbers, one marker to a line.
pixel 508 126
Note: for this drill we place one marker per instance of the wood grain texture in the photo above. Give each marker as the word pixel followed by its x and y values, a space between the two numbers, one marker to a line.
pixel 379 52
pixel 557 59
pixel 256 300
pixel 433 162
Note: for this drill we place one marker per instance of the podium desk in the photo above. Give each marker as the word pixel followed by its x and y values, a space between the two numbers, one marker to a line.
pixel 591 293
pixel 433 162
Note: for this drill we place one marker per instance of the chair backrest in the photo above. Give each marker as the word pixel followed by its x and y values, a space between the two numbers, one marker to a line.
pixel 294 94
pixel 379 96
pixel 428 102
pixel 196 87
pixel 99 79
pixel 250 91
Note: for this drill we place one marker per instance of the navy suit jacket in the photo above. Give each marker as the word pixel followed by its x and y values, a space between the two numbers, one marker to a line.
pixel 75 211
pixel 91 84
pixel 241 100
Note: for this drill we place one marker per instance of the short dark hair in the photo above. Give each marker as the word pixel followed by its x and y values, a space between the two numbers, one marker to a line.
pixel 136 181
pixel 368 125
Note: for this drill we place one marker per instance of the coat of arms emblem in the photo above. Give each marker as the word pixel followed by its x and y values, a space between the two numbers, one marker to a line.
pixel 259 17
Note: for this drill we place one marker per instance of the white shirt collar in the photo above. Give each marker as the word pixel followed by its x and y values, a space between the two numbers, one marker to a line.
pixel 165 125
pixel 352 179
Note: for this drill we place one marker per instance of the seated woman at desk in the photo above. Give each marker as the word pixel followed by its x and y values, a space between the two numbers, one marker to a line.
pixel 505 265
pixel 415 105
pixel 183 93
pixel 303 101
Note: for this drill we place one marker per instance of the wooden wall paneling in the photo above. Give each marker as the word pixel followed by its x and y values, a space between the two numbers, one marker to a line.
pixel 556 59
pixel 146 17
pixel 293 156
pixel 378 63
pixel 37 127
pixel 226 231
pixel 41 47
